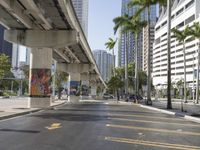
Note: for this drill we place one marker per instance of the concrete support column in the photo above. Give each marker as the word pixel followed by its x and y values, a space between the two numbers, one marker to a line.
pixel 76 73
pixel 40 77
pixel 85 84
pixel 74 87
pixel 93 89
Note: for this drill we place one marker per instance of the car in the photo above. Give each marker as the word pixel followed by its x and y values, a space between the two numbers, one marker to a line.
pixel 134 98
pixel 1 93
pixel 107 96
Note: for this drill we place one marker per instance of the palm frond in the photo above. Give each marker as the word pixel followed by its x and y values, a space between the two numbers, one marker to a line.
pixel 110 44
pixel 120 21
pixel 195 30
pixel 134 3
pixel 178 35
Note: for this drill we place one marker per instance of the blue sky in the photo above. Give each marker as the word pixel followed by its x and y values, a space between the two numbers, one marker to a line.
pixel 100 24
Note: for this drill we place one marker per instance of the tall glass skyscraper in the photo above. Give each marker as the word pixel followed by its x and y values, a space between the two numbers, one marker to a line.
pixel 130 38
pixel 81 8
pixel 5 47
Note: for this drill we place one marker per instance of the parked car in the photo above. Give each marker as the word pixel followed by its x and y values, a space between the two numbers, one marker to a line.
pixel 1 93
pixel 134 98
pixel 107 96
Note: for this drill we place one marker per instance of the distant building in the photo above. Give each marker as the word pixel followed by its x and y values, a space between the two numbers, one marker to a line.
pixel 146 47
pixel 131 39
pixel 104 62
pixel 20 57
pixel 81 8
pixel 5 47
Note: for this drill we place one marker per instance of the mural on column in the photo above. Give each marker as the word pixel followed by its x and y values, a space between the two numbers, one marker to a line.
pixel 74 88
pixel 40 82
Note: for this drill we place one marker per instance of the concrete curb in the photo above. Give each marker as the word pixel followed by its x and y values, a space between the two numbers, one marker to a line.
pixel 19 114
pixel 29 112
pixel 187 117
pixel 57 105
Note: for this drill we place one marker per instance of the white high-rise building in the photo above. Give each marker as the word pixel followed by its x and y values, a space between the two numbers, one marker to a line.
pixel 81 8
pixel 184 13
pixel 104 62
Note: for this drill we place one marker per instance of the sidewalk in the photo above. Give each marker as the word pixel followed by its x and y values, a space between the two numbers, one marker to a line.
pixel 16 106
pixel 190 111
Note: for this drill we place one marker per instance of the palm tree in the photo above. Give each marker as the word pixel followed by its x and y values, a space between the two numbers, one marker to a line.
pixel 169 102
pixel 110 45
pixel 121 22
pixel 181 37
pixel 135 26
pixel 195 32
pixel 145 5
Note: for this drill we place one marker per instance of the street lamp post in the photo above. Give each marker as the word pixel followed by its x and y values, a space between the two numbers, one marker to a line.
pixel 193 90
pixel 182 95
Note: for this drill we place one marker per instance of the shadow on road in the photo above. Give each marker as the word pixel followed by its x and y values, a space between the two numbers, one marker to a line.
pixel 72 117
pixel 14 130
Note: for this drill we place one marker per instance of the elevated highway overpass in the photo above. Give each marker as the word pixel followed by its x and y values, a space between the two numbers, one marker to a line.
pixel 52 31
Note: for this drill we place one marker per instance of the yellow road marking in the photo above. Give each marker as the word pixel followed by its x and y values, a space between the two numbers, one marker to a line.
pixel 54 126
pixel 153 129
pixel 154 144
pixel 145 116
pixel 134 120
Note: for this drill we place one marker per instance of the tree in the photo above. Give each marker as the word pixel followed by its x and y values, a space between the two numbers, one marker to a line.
pixel 61 77
pixel 142 79
pixel 169 102
pixel 4 65
pixel 110 45
pixel 195 32
pixel 181 37
pixel 25 69
pixel 142 6
pixel 135 26
pixel 115 83
pixel 121 22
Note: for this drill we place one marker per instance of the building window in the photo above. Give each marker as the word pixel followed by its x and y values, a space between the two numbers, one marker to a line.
pixel 179 12
pixel 164 23
pixel 190 19
pixel 189 4
pixel 157 28
pixel 157 41
pixel 172 17
pixel 180 25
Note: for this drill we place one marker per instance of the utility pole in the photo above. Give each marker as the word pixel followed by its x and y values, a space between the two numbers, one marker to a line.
pixel 193 90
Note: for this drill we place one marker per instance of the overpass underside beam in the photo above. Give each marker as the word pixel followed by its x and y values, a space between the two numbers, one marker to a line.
pixel 42 38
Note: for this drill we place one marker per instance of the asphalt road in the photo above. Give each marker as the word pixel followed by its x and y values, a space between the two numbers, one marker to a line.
pixel 99 126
